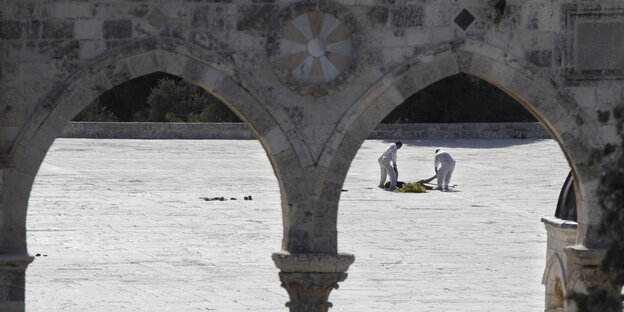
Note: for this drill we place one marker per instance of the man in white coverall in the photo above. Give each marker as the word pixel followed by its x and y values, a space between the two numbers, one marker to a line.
pixel 386 169
pixel 445 171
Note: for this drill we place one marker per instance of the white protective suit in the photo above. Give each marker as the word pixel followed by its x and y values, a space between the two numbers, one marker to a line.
pixel 446 170
pixel 386 168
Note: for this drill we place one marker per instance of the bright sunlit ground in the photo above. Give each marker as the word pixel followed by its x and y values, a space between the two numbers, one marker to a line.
pixel 119 226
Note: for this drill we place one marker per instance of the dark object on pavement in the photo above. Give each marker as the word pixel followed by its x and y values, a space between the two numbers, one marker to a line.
pixel 399 184
pixel 213 198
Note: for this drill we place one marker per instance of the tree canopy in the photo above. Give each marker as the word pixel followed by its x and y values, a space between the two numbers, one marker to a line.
pixel 157 97
pixel 459 98
pixel 166 98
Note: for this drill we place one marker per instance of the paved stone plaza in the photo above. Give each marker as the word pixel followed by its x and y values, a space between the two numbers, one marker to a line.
pixel 119 226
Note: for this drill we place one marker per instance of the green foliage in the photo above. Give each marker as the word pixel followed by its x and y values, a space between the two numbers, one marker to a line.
pixel 130 98
pixel 611 200
pixel 598 299
pixel 459 98
pixel 182 101
pixel 95 112
pixel 611 194
pixel 172 100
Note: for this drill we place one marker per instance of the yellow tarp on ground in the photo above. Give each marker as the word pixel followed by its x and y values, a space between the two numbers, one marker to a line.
pixel 413 187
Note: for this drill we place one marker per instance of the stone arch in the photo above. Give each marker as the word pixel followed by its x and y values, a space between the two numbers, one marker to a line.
pixel 555 281
pixel 213 73
pixel 550 104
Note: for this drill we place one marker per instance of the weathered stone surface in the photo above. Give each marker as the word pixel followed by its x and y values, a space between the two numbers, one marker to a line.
pixel 91 29
pixel 117 29
pixel 10 29
pixel 541 58
pixel 378 16
pixel 310 291
pixel 407 16
pixel 72 9
pixel 57 29
pixel 593 40
pixel 256 17
pixel 33 29
pixel 352 62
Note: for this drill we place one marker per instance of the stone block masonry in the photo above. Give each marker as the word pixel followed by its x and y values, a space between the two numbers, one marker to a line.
pixel 312 79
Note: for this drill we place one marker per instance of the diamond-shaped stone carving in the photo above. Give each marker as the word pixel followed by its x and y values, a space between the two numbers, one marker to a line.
pixel 157 18
pixel 464 19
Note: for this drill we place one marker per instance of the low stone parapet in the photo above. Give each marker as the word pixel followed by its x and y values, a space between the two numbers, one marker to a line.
pixel 500 130
pixel 240 131
pixel 158 130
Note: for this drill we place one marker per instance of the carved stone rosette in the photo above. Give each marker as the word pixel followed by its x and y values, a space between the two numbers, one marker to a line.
pixel 315 47
pixel 309 292
pixel 309 278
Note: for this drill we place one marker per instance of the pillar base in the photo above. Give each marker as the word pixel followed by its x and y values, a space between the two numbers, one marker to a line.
pixel 309 278
pixel 12 281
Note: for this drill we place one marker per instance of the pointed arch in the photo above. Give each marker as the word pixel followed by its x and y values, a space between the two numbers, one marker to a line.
pixel 549 103
pixel 210 71
pixel 555 281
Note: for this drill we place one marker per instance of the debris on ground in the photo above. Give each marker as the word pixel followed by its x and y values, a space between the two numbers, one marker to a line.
pixel 222 198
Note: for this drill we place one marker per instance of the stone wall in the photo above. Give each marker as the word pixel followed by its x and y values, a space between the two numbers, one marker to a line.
pixel 240 131
pixel 157 130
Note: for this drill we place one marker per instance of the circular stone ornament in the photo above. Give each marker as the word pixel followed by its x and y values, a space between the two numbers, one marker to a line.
pixel 315 49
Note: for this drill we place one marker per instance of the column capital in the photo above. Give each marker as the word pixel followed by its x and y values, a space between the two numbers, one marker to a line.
pixel 320 263
pixel 584 256
pixel 309 278
pixel 15 261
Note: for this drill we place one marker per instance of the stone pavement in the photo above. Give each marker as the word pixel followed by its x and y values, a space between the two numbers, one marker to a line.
pixel 119 226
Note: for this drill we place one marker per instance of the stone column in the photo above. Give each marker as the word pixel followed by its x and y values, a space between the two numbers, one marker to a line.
pixel 309 278
pixel 12 282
